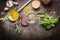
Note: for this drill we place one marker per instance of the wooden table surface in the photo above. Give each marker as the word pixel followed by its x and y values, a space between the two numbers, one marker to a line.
pixel 32 32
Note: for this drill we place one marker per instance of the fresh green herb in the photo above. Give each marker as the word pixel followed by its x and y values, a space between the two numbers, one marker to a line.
pixel 40 14
pixel 17 27
pixel 5 18
pixel 46 21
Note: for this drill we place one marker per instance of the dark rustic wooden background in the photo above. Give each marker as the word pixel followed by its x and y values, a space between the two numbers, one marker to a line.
pixel 33 33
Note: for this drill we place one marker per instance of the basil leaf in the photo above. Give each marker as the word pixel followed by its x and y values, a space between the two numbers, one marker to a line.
pixel 5 18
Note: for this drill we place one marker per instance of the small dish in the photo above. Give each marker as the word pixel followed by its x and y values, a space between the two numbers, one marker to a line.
pixel 13 15
pixel 46 2
pixel 31 17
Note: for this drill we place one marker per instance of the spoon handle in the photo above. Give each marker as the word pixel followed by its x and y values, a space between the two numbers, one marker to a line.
pixel 24 6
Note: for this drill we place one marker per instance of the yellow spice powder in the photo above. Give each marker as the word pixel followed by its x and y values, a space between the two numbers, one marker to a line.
pixel 26 9
pixel 14 14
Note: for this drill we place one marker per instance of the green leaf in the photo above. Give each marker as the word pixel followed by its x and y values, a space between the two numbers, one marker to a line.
pixel 40 14
pixel 43 22
pixel 5 18
pixel 48 27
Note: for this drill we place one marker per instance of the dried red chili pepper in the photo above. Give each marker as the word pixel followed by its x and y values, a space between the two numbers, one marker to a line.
pixel 24 25
pixel 20 19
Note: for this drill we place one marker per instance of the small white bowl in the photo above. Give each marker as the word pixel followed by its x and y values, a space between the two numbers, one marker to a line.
pixel 11 18
pixel 31 22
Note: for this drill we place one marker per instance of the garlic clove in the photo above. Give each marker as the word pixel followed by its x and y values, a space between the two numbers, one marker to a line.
pixel 1 18
pixel 6 8
pixel 15 3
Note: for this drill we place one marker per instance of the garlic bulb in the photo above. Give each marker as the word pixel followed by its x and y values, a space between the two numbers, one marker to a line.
pixel 9 3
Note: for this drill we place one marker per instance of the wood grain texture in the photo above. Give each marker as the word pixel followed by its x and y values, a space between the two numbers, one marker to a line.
pixel 33 32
